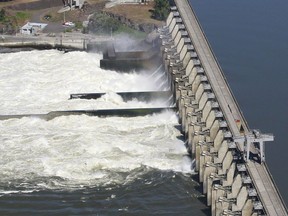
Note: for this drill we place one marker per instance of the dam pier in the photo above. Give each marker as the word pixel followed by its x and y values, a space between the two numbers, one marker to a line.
pixel 62 41
pixel 229 156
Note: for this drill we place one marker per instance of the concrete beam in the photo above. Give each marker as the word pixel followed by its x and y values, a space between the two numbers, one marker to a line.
pixel 222 151
pixel 214 128
pixel 208 181
pixel 204 158
pixel 192 70
pixel 207 96
pixel 229 176
pixel 226 163
pixel 209 186
pixel 240 199
pixel 176 30
pixel 169 18
pixel 172 25
pixel 190 134
pixel 218 139
pixel 236 186
pixel 182 40
pixel 188 119
pixel 248 208
pixel 217 207
pixel 198 149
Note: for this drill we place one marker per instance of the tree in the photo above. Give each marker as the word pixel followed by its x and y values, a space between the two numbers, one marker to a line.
pixel 103 24
pixel 2 15
pixel 161 9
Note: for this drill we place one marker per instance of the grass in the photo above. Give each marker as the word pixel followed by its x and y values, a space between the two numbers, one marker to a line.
pixel 15 2
pixel 14 19
pixel 20 15
pixel 133 33
pixel 96 1
pixel 138 13
pixel 55 17
pixel 78 25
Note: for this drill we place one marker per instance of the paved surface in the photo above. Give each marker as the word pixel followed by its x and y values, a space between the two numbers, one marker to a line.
pixel 260 175
pixel 73 40
pixel 52 27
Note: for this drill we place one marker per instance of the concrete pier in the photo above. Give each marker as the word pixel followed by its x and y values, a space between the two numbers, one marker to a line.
pixel 122 112
pixel 229 156
pixel 65 41
pixel 127 96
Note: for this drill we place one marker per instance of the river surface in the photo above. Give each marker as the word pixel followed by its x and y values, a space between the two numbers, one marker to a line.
pixel 76 165
pixel 249 39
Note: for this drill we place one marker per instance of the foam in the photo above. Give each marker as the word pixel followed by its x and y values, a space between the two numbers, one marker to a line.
pixel 71 152
pixel 42 81
pixel 90 150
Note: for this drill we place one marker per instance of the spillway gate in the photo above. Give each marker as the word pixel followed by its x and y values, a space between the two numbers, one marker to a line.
pixel 229 156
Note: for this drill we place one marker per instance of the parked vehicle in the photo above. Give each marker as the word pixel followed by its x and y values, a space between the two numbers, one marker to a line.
pixel 69 24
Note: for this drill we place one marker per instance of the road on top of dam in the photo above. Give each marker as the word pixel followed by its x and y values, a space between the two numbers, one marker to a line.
pixel 260 175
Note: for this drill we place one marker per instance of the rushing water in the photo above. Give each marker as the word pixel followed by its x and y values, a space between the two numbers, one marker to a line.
pixel 39 82
pixel 75 165
pixel 250 42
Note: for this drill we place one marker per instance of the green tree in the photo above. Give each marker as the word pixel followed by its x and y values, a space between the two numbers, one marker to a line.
pixel 2 15
pixel 161 9
pixel 103 24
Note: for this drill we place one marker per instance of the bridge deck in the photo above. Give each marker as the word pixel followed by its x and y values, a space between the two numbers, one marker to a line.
pixel 260 175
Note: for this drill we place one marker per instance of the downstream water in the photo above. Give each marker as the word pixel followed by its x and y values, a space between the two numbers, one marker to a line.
pixel 75 165
pixel 249 39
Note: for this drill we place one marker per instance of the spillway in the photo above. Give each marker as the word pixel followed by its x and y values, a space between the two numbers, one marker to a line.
pixel 230 157
pixel 87 164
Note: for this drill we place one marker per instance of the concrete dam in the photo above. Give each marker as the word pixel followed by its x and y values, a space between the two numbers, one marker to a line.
pixel 229 156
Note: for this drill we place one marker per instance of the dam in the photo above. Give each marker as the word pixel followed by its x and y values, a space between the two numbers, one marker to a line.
pixel 230 157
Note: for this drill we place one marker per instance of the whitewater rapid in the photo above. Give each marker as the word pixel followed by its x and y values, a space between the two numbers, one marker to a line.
pixel 78 151
pixel 42 81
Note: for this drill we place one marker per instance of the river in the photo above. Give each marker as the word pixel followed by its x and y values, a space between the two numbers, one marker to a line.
pixel 249 39
pixel 76 165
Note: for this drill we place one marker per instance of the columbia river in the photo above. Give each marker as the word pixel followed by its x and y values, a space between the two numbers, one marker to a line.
pixel 249 39
pixel 75 165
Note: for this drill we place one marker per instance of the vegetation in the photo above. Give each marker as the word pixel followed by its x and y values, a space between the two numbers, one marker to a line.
pixel 137 12
pixel 103 24
pixel 78 25
pixel 2 15
pixel 22 16
pixel 161 9
pixel 10 21
pixel 6 22
pixel 133 33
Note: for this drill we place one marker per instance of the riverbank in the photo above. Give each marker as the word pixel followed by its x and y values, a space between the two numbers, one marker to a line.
pixel 16 13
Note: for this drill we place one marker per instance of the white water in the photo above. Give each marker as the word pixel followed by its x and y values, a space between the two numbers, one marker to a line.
pixel 42 81
pixel 75 151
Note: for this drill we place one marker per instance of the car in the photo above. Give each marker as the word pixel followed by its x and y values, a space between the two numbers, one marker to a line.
pixel 47 17
pixel 69 24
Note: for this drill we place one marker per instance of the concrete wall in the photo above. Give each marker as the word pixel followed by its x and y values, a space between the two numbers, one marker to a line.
pixel 206 132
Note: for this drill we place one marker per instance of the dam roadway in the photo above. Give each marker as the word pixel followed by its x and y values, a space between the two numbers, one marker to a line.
pixel 259 173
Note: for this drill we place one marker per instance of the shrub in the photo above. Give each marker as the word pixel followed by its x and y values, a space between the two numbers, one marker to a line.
pixel 161 9
pixel 22 15
pixel 103 24
pixel 2 15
